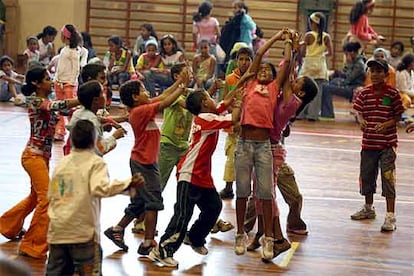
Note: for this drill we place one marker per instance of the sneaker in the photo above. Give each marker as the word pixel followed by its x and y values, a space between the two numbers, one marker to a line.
pixel 155 256
pixel 255 243
pixel 19 100
pixel 222 226
pixel 139 227
pixel 226 194
pixel 240 244
pixel 280 247
pixel 202 250
pixel 389 223
pixel 142 250
pixel 117 237
pixel 364 213
pixel 267 247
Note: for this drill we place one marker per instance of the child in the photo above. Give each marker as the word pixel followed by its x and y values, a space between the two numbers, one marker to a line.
pixel 91 97
pixel 379 109
pixel 195 184
pixel 35 160
pixel 144 158
pixel 46 47
pixel 405 79
pixel 259 41
pixel 10 82
pixel 396 53
pixel 32 51
pixel 78 183
pixel 67 72
pixel 149 62
pixel 244 57
pixel 316 47
pixel 381 53
pixel 253 147
pixel 118 61
pixel 147 33
pixel 232 63
pixel 204 65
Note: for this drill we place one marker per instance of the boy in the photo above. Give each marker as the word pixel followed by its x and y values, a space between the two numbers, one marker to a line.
pixel 90 95
pixel 379 109
pixel 144 158
pixel 10 82
pixel 78 183
pixel 195 184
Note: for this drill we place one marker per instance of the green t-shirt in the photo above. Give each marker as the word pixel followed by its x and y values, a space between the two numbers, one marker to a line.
pixel 177 124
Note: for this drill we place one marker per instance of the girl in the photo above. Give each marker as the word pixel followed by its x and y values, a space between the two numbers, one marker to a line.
pixel 46 47
pixel 147 33
pixel 10 82
pixel 253 147
pixel 205 27
pixel 317 45
pixel 360 30
pixel 204 65
pixel 118 60
pixel 67 72
pixel 35 160
pixel 405 80
pixel 247 25
pixel 32 51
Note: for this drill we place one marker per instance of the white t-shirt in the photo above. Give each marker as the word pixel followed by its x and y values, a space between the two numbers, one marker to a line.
pixel 67 69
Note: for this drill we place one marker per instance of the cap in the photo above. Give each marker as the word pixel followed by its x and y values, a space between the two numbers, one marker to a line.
pixel 237 46
pixel 381 63
pixel 151 42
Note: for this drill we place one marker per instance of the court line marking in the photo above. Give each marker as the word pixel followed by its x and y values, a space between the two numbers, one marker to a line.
pixel 288 256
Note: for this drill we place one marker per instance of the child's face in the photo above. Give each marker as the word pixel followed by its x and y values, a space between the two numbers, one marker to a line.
pixel 396 51
pixel 143 97
pixel 168 46
pixel 99 102
pixel 185 74
pixel 204 49
pixel 144 32
pixel 377 74
pixel 7 67
pixel 46 85
pixel 243 62
pixel 350 56
pixel 101 78
pixel 112 47
pixel 48 38
pixel 264 75
pixel 297 86
pixel 151 50
pixel 33 45
pixel 209 104
pixel 380 56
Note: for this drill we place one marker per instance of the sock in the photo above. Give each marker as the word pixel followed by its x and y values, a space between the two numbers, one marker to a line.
pixel 368 206
pixel 147 243
pixel 390 214
pixel 117 228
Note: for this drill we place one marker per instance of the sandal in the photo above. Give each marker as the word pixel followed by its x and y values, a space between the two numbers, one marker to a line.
pixel 224 226
pixel 117 237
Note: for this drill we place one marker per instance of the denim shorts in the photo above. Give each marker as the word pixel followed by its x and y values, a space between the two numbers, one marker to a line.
pixel 257 155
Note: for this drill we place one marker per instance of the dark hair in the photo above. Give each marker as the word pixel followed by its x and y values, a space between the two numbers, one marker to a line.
pixel 204 9
pixel 352 47
pixel 399 43
pixel 405 62
pixel 116 40
pixel 150 29
pixel 177 68
pixel 91 70
pixel 311 89
pixel 35 74
pixel 83 134
pixel 48 30
pixel 259 32
pixel 87 40
pixel 321 26
pixel 30 38
pixel 74 36
pixel 245 50
pixel 357 10
pixel 6 58
pixel 241 5
pixel 129 88
pixel 173 41
pixel 88 91
pixel 194 101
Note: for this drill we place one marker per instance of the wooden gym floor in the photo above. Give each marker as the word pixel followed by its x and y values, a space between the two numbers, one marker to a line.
pixel 325 157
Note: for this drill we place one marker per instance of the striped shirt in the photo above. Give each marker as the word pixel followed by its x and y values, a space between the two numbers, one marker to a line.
pixel 377 107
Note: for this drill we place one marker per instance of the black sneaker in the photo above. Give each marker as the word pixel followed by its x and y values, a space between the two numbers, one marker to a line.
pixel 146 250
pixel 226 194
pixel 117 237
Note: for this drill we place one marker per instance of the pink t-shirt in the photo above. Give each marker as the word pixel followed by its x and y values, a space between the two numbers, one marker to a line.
pixel 282 114
pixel 146 132
pixel 206 29
pixel 259 103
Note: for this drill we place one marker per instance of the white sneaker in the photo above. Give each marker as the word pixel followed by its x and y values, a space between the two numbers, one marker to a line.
pixel 389 223
pixel 19 100
pixel 240 244
pixel 202 250
pixel 155 256
pixel 267 247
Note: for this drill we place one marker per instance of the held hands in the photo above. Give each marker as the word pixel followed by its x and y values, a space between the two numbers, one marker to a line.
pixel 119 132
pixel 382 127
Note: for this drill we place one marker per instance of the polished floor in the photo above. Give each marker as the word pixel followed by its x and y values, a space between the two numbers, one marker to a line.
pixel 325 157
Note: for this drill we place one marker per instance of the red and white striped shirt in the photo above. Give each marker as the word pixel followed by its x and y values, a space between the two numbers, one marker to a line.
pixel 195 165
pixel 377 107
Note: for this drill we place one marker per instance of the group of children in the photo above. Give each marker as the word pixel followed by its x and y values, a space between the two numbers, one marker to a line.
pixel 258 103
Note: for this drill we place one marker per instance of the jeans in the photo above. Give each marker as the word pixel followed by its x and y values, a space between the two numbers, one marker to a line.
pixel 334 87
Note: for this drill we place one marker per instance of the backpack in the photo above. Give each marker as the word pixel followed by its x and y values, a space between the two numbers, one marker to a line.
pixel 230 33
